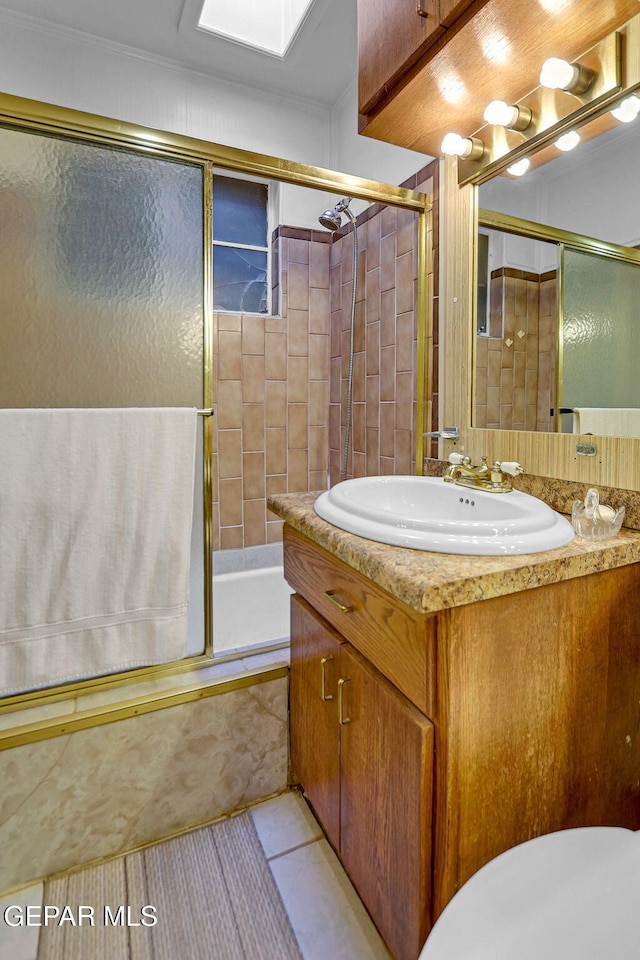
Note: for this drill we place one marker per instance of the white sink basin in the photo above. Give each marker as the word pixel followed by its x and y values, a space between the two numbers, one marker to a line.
pixel 428 514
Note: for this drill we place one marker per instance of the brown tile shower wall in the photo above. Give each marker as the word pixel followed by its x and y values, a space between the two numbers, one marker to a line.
pixel 515 374
pixel 383 345
pixel 385 341
pixel 272 403
pixel 277 391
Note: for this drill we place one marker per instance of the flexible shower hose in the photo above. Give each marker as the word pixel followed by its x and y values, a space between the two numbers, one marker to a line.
pixel 347 425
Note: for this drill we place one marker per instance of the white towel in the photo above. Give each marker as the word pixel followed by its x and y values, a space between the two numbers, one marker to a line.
pixel 95 527
pixel 607 421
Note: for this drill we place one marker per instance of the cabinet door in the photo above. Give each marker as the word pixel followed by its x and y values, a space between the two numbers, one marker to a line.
pixel 386 790
pixel 392 34
pixel 313 706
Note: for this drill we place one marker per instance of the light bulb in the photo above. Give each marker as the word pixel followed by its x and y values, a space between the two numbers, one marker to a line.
pixel 500 114
pixel 467 148
pixel 627 110
pixel 520 167
pixel 558 74
pixel 452 145
pixel 568 141
pixel 561 75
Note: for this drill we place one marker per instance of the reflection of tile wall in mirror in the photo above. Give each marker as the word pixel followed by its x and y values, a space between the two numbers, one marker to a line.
pixel 592 192
pixel 515 370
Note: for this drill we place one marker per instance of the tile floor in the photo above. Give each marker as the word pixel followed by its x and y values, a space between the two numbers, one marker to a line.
pixel 328 919
pixel 326 914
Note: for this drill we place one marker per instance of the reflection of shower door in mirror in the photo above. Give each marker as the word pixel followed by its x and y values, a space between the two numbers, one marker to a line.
pixel 101 287
pixel 600 335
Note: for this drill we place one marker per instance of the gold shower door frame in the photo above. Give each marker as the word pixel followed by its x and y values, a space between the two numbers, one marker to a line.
pixel 30 115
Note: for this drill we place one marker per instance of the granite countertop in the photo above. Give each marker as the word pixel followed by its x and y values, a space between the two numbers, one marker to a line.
pixel 429 582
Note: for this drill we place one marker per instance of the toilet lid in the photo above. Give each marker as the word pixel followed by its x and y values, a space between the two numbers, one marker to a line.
pixel 574 893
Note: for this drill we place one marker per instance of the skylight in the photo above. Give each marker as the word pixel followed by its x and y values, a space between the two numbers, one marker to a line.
pixel 267 25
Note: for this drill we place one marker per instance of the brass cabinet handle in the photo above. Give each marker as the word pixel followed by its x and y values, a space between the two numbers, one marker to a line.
pixel 323 693
pixel 341 718
pixel 331 595
pixel 421 12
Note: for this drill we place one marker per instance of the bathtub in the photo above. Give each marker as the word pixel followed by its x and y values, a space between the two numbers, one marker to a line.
pixel 250 608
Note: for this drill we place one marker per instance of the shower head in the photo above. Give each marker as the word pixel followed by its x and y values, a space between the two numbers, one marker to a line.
pixel 332 219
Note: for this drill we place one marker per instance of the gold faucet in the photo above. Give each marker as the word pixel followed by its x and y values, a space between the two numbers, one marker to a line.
pixel 495 478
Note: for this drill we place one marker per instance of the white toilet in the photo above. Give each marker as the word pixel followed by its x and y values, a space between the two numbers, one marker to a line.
pixel 570 895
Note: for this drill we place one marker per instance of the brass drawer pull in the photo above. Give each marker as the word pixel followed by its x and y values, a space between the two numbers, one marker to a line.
pixel 323 694
pixel 341 718
pixel 331 595
pixel 421 12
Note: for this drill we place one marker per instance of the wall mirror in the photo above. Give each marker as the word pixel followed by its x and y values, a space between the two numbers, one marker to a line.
pixel 558 282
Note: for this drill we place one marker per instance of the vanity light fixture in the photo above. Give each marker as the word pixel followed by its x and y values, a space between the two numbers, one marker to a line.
pixel 501 114
pixel 521 166
pixel 468 148
pixel 627 110
pixel 591 84
pixel 568 141
pixel 559 74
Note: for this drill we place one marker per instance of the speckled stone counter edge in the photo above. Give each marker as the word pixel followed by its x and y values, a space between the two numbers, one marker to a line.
pixel 429 582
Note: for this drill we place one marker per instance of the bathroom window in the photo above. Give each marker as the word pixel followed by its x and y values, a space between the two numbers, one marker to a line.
pixel 240 245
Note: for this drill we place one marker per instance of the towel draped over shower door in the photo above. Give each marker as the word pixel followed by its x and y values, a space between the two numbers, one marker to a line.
pixel 607 421
pixel 95 527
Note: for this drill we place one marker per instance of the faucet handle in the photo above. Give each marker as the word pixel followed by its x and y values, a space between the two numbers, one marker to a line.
pixel 458 459
pixel 512 467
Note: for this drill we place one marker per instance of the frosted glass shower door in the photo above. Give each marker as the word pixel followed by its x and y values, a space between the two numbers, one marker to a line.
pixel 102 286
pixel 600 331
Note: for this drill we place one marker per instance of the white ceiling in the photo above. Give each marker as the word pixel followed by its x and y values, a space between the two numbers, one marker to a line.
pixel 319 66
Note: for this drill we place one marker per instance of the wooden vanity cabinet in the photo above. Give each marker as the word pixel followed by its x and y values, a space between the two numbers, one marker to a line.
pixel 364 756
pixel 533 697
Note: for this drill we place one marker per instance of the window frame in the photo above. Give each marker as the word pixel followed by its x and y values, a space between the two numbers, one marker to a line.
pixel 272 211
